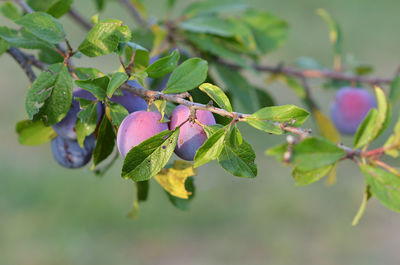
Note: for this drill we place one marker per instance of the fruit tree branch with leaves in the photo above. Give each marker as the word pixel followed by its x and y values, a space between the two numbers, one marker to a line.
pixel 176 90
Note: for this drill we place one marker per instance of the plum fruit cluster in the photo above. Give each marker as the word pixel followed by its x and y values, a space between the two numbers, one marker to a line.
pixel 65 148
pixel 350 107
pixel 141 125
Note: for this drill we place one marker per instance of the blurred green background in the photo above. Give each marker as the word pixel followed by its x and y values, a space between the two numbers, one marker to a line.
pixel 51 215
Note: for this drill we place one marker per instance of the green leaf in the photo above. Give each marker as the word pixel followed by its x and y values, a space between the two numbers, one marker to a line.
pixel 211 148
pixel 3 46
pixel 264 98
pixel 104 38
pixel 50 96
pixel 306 177
pixel 100 4
pixel 87 122
pixel 85 73
pixel 117 112
pixel 41 5
pixel 105 141
pixel 384 185
pixel 212 7
pixel 97 87
pixel 183 204
pixel 270 32
pixel 265 118
pixel 141 194
pixel 375 122
pixel 187 76
pixel 209 24
pixel 50 56
pixel 365 131
pixel 277 151
pixel 237 157
pixel 163 66
pixel 9 10
pixel 117 79
pixel 216 94
pixel 238 85
pixel 59 8
pixel 34 132
pixel 335 32
pixel 216 46
pixel 43 26
pixel 361 210
pixel 161 106
pixel 314 153
pixel 147 159
pixel 142 56
pixel 394 94
pixel 23 39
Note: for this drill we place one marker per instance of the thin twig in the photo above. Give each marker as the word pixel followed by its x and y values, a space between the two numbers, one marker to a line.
pixel 330 74
pixel 74 14
pixel 134 12
pixel 21 60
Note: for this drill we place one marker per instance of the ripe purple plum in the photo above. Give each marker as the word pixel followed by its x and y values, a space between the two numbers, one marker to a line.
pixel 350 107
pixel 137 127
pixel 69 154
pixel 66 127
pixel 130 101
pixel 191 135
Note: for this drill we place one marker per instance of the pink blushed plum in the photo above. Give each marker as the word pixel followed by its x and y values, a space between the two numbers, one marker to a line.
pixel 191 135
pixel 137 127
pixel 350 107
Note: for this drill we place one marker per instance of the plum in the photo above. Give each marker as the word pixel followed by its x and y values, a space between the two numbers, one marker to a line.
pixel 130 101
pixel 350 107
pixel 191 135
pixel 66 127
pixel 69 154
pixel 137 127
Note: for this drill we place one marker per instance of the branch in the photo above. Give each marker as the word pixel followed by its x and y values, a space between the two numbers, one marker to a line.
pixel 134 12
pixel 180 99
pixel 330 74
pixel 74 14
pixel 24 6
pixel 20 58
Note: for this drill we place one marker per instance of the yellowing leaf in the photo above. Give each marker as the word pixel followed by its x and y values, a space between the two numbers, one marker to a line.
pixel 325 126
pixel 332 176
pixel 173 179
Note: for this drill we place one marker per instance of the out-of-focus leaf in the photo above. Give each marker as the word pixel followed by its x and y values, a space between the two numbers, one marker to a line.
pixel 384 185
pixel 34 132
pixel 270 32
pixel 326 127
pixel 212 7
pixel 43 26
pixel 306 177
pixel 394 94
pixel 9 10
